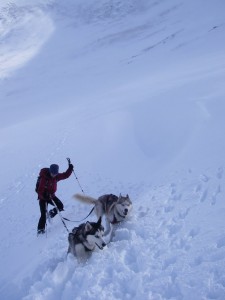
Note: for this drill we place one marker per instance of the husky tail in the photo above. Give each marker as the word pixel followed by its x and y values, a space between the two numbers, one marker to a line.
pixel 83 198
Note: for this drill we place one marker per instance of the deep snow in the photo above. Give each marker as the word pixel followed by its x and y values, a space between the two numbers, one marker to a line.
pixel 133 92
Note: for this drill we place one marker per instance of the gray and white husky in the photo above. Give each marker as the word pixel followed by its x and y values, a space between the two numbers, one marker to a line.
pixel 115 209
pixel 84 239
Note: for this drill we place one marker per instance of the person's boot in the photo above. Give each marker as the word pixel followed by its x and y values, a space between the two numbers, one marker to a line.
pixel 40 231
pixel 52 212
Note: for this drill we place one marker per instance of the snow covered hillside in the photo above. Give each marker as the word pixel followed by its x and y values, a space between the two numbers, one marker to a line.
pixel 133 92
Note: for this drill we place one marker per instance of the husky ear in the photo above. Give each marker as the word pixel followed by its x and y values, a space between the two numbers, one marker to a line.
pixel 88 226
pixel 99 221
pixel 127 196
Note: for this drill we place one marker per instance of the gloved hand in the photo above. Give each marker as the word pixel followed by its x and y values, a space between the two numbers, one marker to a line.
pixel 71 167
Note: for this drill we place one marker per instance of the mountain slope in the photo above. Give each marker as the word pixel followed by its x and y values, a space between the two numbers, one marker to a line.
pixel 132 91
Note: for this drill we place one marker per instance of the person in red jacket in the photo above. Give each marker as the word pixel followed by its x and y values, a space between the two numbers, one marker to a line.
pixel 46 188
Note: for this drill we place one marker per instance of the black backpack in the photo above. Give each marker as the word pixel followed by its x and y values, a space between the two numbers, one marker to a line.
pixel 37 184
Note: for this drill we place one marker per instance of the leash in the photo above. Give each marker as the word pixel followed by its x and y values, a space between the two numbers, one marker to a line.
pixel 59 213
pixel 81 219
pixel 69 162
pixel 63 218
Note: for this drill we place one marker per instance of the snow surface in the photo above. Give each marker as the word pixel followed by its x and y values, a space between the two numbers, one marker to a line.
pixel 133 92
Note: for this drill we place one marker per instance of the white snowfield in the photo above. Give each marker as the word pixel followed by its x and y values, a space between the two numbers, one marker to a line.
pixel 133 92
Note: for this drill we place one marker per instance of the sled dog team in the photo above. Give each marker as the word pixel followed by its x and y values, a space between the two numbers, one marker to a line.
pixel 87 236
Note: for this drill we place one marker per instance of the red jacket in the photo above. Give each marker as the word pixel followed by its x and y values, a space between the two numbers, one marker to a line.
pixel 48 184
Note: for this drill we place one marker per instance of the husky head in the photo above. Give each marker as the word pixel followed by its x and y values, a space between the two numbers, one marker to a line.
pixel 94 234
pixel 124 205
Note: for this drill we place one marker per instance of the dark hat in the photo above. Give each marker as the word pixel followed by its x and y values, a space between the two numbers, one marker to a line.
pixel 54 169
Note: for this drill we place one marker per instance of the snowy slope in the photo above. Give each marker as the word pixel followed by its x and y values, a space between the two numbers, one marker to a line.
pixel 132 91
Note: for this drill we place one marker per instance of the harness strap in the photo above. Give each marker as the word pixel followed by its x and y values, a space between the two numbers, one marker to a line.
pixel 115 221
pixel 110 207
pixel 109 203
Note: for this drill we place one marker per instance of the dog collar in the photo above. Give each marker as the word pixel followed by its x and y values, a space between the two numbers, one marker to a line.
pixel 119 215
pixel 86 248
pixel 115 221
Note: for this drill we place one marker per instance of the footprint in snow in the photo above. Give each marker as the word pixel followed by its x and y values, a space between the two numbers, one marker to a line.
pixel 194 232
pixel 221 242
pixel 197 261
pixel 220 173
pixel 173 188
pixel 182 243
pixel 168 209
pixel 174 228
pixel 213 200
pixel 143 213
pixel 214 196
pixel 176 197
pixel 185 241
pixel 183 214
pixel 168 262
pixel 204 195
pixel 204 178
pixel 198 188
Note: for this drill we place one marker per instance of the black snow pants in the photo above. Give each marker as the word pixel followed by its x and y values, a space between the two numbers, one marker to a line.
pixel 43 208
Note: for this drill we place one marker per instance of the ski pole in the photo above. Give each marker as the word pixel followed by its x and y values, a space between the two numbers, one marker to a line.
pixel 69 161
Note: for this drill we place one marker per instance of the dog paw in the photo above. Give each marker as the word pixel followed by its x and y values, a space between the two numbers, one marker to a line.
pixel 143 211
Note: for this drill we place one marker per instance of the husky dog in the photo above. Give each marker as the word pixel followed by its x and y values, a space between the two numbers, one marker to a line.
pixel 115 209
pixel 84 238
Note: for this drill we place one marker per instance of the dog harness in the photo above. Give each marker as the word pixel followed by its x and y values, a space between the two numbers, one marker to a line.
pixel 115 221
pixel 109 205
